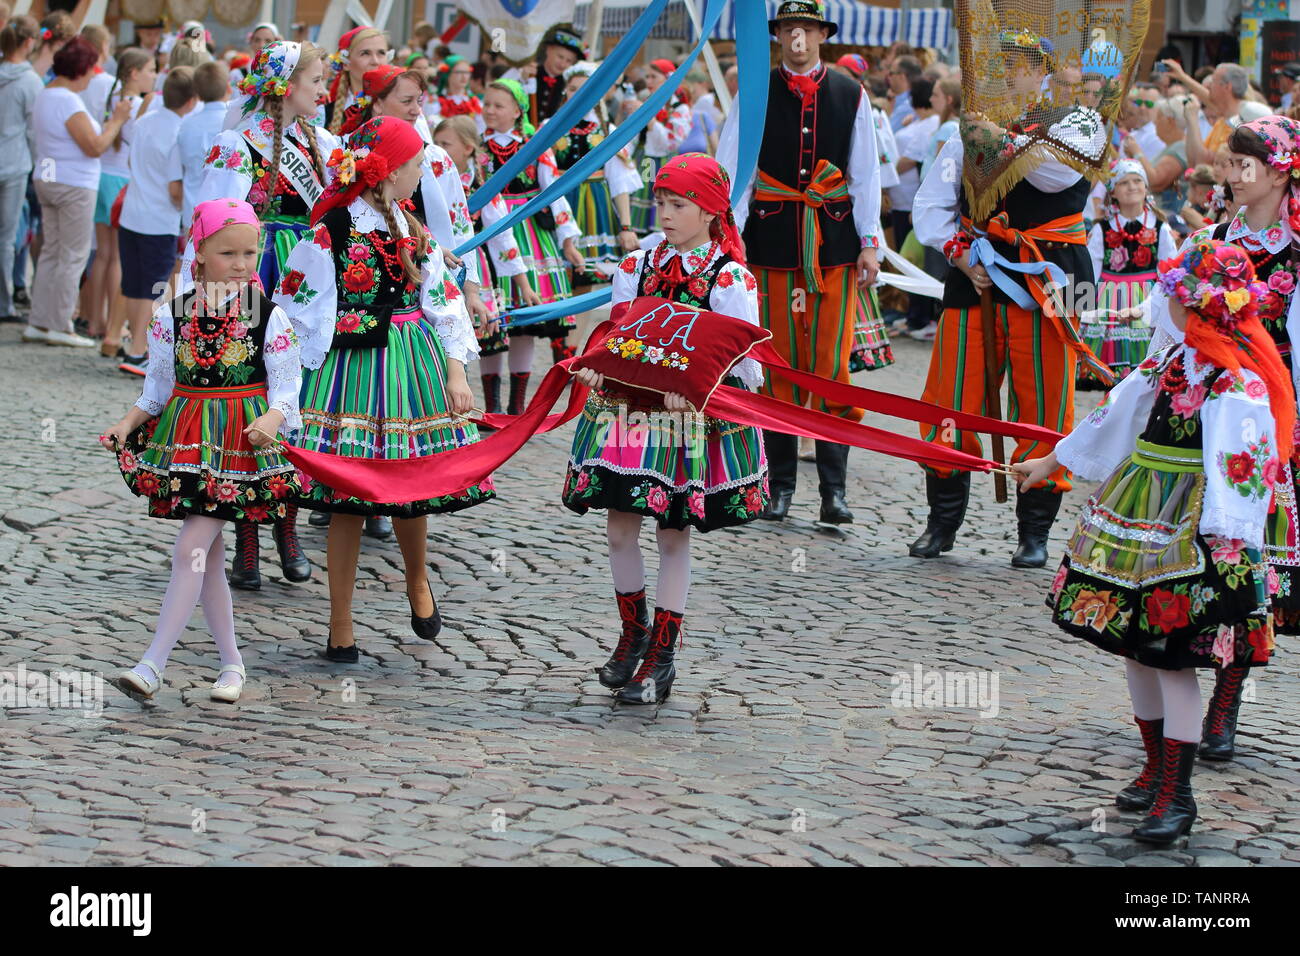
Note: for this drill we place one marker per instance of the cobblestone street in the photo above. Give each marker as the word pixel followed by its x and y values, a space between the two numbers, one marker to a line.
pixel 788 740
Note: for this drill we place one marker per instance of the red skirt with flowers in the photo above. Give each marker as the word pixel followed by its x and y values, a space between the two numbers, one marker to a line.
pixel 194 459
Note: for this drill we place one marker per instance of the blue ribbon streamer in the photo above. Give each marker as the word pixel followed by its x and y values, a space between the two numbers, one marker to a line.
pixel 574 109
pixel 752 43
pixel 534 314
pixel 602 153
pixel 995 264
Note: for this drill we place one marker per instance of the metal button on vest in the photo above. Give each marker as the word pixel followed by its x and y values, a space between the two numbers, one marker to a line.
pixel 803 172
pixel 807 130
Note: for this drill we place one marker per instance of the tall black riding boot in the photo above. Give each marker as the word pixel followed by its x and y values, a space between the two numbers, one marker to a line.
pixel 491 393
pixel 1220 728
pixel 832 475
pixel 244 571
pixel 1035 511
pixel 518 392
pixel 948 498
pixel 654 678
pixel 1139 794
pixel 632 643
pixel 1173 809
pixel 293 563
pixel 782 470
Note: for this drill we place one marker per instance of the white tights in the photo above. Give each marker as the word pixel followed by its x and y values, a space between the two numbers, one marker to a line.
pixel 521 357
pixel 1174 696
pixel 198 574
pixel 628 570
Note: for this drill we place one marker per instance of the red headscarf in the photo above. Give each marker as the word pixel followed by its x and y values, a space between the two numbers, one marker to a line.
pixel 666 67
pixel 377 148
pixel 700 179
pixel 345 42
pixel 373 85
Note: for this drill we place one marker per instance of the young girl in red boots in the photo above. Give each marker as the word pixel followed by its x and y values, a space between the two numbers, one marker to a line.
pixel 705 473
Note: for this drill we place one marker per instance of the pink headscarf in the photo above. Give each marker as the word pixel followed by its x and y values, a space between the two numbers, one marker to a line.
pixel 1282 136
pixel 216 214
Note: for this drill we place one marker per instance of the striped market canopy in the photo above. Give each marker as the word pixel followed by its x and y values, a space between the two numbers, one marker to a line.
pixel 859 23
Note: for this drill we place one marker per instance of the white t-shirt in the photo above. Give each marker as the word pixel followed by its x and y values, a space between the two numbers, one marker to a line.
pixel 114 161
pixel 155 162
pixel 58 157
pixel 914 143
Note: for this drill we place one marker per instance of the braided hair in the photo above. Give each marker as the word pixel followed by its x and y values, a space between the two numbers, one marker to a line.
pixel 345 79
pixel 274 106
pixel 413 228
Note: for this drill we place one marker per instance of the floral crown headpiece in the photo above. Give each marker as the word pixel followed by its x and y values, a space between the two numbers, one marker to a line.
pixel 269 73
pixel 1216 280
pixel 1282 136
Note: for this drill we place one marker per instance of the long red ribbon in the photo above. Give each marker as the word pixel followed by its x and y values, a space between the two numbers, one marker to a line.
pixel 398 481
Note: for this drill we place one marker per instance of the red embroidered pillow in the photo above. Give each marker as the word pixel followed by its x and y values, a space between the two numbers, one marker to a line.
pixel 664 346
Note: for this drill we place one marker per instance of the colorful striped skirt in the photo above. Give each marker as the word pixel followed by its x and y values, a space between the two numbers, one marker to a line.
pixel 547 271
pixel 1139 580
pixel 498 341
pixel 281 234
pixel 1121 345
pixel 193 459
pixel 871 348
pixel 1282 552
pixel 682 469
pixel 388 402
pixel 593 210
pixel 643 201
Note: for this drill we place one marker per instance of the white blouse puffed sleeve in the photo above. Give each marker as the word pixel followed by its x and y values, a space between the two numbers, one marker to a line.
pixel 308 295
pixel 160 373
pixel 283 361
pixel 1167 245
pixel 447 178
pixel 504 250
pixel 229 169
pixel 1239 445
pixel 627 277
pixel 621 174
pixel 444 306
pixel 736 294
pixel 547 173
pixel 1101 442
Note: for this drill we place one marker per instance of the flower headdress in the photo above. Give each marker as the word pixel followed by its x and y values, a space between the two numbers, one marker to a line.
pixel 269 73
pixel 1026 41
pixel 377 148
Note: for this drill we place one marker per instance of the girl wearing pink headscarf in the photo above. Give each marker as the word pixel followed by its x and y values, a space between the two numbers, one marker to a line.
pixel 223 378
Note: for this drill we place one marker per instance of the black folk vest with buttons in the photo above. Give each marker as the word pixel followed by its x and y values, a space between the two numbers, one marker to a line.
pixel 795 138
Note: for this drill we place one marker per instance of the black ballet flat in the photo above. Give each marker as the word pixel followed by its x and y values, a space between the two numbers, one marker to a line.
pixel 341 655
pixel 426 628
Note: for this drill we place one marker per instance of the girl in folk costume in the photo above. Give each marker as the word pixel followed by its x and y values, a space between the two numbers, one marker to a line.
pixel 603 198
pixel 660 139
pixel 223 378
pixel 1125 244
pixel 540 237
pixel 439 203
pixel 710 474
pixel 452 96
pixel 360 50
pixel 496 261
pixel 385 341
pixel 1165 567
pixel 1263 181
pixel 871 348
pixel 275 158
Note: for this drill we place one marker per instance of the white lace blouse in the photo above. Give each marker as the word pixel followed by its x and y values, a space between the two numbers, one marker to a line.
pixel 1238 437
pixel 735 293
pixel 280 356
pixel 313 308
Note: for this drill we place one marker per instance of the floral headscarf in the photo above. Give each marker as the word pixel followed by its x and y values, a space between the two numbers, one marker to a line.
pixel 268 75
pixel 377 148
pixel 1282 136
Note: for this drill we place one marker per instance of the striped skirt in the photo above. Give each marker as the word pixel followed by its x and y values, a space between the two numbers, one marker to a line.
pixel 193 459
pixel 1121 345
pixel 643 201
pixel 388 402
pixel 498 341
pixel 681 469
pixel 1140 581
pixel 281 234
pixel 1282 552
pixel 593 210
pixel 547 271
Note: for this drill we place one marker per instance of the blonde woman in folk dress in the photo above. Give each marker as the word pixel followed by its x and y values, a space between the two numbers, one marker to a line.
pixel 360 50
pixel 281 90
pixel 1125 245
pixel 540 237
pixel 222 379
pixel 695 471
pixel 497 260
pixel 1165 567
pixel 385 341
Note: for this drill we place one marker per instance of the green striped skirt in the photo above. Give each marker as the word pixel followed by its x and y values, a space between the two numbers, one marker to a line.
pixel 1282 552
pixel 280 235
pixel 548 273
pixel 388 402
pixel 871 348
pixel 194 459
pixel 1139 580
pixel 681 469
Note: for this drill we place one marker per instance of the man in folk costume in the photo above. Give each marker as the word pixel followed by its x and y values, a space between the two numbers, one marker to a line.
pixel 1036 346
pixel 811 221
